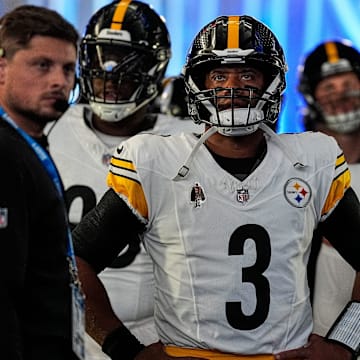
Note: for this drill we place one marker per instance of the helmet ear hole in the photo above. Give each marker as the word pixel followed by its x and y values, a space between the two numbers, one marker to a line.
pixel 133 51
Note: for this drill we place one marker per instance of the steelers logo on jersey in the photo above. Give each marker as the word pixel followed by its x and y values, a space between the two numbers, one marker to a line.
pixel 297 192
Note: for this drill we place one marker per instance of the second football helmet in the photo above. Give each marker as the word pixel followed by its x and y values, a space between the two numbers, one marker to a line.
pixel 233 41
pixel 328 59
pixel 123 58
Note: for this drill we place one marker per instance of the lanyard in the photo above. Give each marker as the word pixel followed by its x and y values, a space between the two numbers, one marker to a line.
pixel 53 173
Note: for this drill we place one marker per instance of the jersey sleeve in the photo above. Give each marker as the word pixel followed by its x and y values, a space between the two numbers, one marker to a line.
pixel 123 178
pixel 340 183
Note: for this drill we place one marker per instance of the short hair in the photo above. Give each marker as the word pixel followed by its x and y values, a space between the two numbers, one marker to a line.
pixel 19 26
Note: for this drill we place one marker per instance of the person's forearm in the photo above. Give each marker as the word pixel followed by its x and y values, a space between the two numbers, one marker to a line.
pixel 102 324
pixel 100 317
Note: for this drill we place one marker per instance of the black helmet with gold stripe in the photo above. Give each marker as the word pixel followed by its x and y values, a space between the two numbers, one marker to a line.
pixel 235 40
pixel 341 111
pixel 123 58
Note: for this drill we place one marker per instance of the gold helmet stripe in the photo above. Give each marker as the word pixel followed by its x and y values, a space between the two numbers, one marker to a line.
pixel 119 14
pixel 331 52
pixel 233 32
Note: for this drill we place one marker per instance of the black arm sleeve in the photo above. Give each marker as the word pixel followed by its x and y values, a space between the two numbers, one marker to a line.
pixel 342 228
pixel 105 230
pixel 311 267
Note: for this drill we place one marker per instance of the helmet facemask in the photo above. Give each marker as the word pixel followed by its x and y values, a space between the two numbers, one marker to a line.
pixel 235 111
pixel 116 81
pixel 123 58
pixel 338 111
pixel 348 119
pixel 236 41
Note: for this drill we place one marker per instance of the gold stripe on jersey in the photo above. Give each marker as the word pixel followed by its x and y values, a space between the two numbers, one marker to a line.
pixel 341 182
pixel 331 52
pixel 212 354
pixel 122 164
pixel 119 14
pixel 123 179
pixel 233 32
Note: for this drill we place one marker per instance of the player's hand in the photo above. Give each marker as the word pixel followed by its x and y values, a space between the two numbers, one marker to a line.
pixel 156 351
pixel 317 348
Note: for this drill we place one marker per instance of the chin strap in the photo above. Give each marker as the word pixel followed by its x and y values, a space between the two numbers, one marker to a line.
pixel 277 139
pixel 183 171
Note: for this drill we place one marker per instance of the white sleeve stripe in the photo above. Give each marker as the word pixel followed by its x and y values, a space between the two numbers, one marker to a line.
pixel 125 173
pixel 341 168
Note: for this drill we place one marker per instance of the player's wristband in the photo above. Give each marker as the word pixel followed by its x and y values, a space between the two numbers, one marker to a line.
pixel 346 329
pixel 121 344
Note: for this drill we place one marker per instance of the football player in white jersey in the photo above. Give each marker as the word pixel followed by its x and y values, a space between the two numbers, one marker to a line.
pixel 227 218
pixel 330 83
pixel 123 58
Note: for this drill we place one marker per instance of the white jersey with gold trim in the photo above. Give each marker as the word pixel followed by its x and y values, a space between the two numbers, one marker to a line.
pixel 230 256
pixel 83 158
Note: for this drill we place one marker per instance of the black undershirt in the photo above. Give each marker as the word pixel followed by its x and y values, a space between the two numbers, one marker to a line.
pixel 240 167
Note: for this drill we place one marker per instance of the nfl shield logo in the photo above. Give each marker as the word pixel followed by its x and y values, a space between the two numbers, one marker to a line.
pixel 106 159
pixel 3 217
pixel 242 195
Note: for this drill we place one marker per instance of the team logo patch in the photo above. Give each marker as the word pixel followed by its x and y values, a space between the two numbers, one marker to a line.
pixel 242 195
pixel 197 196
pixel 3 218
pixel 297 192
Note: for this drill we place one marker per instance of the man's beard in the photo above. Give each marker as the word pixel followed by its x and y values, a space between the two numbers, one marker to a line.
pixel 37 118
pixel 59 106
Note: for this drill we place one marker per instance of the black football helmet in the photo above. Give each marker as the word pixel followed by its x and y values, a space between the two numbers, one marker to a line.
pixel 328 59
pixel 235 40
pixel 123 58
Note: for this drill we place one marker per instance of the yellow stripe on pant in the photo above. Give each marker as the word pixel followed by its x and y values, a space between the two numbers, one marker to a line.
pixel 212 355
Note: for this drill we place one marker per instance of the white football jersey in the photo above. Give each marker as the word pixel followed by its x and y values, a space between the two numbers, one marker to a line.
pixel 82 158
pixel 230 256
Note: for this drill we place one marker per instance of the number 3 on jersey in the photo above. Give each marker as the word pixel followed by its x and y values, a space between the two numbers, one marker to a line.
pixel 253 274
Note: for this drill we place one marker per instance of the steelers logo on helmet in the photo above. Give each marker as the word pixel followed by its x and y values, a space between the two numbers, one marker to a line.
pixel 123 58
pixel 235 41
pixel 340 109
